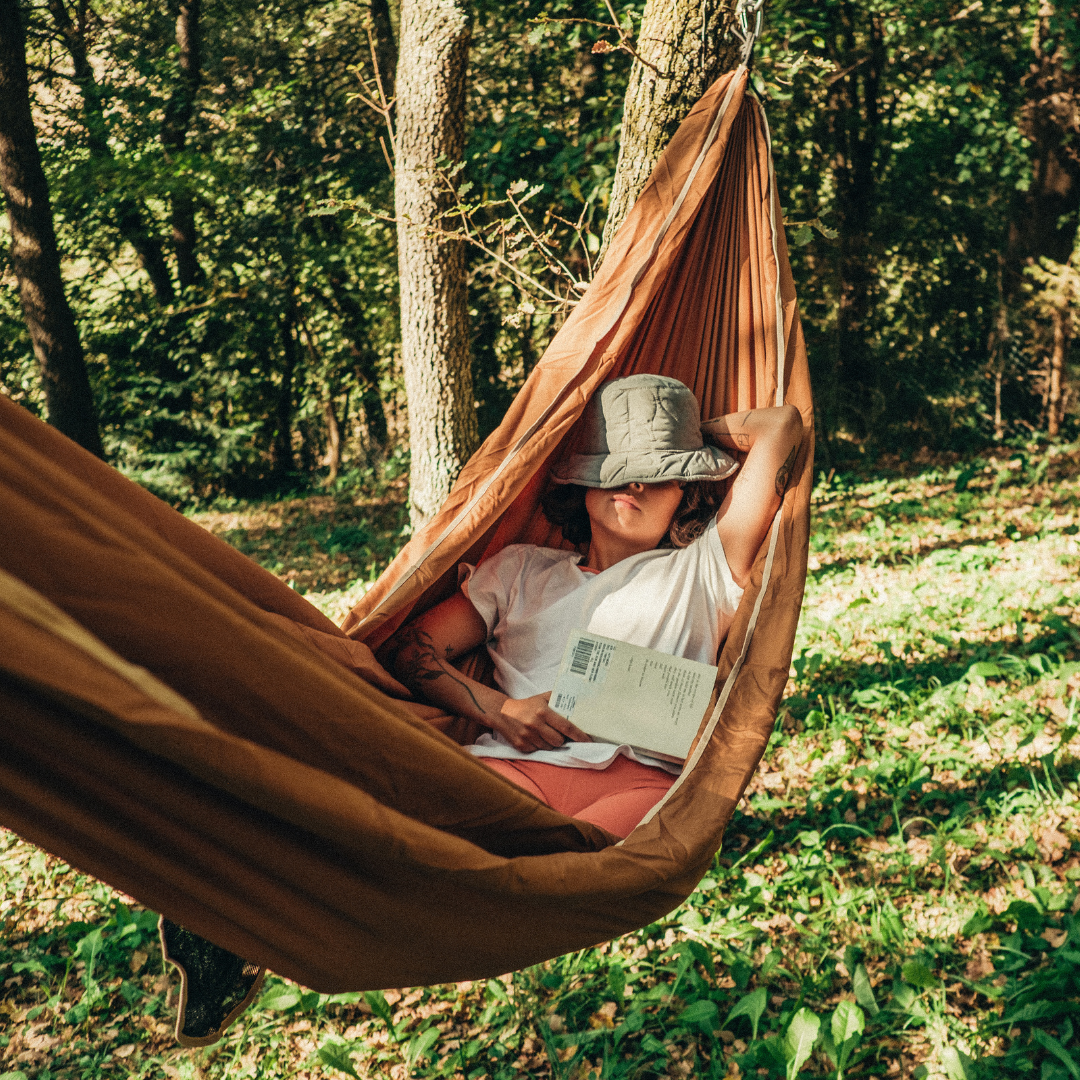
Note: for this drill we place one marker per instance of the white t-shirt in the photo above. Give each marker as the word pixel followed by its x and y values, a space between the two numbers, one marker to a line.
pixel 679 601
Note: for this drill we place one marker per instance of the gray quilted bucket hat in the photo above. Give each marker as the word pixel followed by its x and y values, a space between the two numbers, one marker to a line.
pixel 642 429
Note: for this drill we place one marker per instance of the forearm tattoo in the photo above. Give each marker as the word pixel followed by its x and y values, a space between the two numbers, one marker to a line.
pixel 742 439
pixel 415 661
pixel 783 474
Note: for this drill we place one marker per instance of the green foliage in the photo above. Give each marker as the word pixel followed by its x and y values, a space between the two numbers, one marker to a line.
pixel 225 385
pixel 751 1006
pixel 899 177
pixel 900 129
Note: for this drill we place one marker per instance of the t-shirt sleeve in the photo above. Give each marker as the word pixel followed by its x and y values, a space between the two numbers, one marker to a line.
pixel 490 586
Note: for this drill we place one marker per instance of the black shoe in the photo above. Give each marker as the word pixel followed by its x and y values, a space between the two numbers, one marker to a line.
pixel 216 986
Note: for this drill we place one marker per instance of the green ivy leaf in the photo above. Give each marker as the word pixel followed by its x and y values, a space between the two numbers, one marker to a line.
pixel 751 1006
pixel 799 1041
pixel 377 1003
pixel 420 1044
pixel 864 992
pixel 979 923
pixel 1048 1042
pixel 338 1055
pixel 847 1021
pixel 280 999
pixel 955 1065
pixel 616 978
pixel 916 973
pixel 702 1011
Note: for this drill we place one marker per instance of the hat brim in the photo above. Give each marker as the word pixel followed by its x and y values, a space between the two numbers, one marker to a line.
pixel 645 467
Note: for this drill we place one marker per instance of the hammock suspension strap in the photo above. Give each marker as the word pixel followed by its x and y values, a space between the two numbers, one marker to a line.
pixel 747 25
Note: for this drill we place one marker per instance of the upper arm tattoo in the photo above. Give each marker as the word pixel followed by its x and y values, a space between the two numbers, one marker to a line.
pixel 415 661
pixel 783 474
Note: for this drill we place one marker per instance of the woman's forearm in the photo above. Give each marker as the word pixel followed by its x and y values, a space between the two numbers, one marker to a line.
pixel 772 434
pixel 741 430
pixel 528 723
pixel 416 662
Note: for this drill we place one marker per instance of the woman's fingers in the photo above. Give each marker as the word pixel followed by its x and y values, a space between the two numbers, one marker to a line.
pixel 532 725
pixel 564 727
pixel 546 735
pixel 560 723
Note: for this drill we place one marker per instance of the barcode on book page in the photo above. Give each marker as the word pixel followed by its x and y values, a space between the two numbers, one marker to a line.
pixel 583 650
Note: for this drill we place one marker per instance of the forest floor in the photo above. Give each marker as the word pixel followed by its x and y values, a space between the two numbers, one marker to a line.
pixel 897 895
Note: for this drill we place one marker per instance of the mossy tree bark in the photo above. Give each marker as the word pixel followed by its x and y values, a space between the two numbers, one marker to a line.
pixel 682 49
pixel 1044 215
pixel 430 84
pixel 35 257
pixel 179 112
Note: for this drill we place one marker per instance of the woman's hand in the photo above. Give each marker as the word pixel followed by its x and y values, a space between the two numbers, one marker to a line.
pixel 530 724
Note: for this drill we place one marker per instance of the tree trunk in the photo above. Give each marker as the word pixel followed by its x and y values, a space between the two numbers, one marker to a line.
pixel 283 455
pixel 1050 119
pixel 386 53
pixel 682 49
pixel 854 107
pixel 1062 320
pixel 355 330
pixel 1044 217
pixel 333 441
pixel 434 313
pixel 371 402
pixel 998 348
pixel 35 257
pixel 178 113
pixel 129 218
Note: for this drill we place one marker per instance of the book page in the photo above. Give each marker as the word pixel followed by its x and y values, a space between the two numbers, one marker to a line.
pixel 624 693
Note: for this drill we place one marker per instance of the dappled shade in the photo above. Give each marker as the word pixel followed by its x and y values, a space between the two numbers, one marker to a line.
pixel 252 787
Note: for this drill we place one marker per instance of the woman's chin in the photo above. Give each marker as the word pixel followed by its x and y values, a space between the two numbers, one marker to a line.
pixel 630 537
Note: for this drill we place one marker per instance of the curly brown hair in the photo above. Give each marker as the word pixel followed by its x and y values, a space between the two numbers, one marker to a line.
pixel 564 506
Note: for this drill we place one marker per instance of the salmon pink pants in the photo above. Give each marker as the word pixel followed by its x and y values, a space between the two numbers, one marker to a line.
pixel 615 798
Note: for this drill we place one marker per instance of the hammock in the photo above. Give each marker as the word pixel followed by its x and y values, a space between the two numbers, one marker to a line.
pixel 182 725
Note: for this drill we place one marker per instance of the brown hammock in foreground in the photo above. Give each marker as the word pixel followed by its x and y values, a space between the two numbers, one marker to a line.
pixel 178 722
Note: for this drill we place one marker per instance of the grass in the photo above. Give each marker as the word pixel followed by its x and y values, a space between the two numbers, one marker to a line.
pixel 898 892
pixel 330 547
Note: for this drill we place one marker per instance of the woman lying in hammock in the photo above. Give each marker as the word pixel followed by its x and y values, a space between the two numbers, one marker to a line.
pixel 666 566
pixel 667 563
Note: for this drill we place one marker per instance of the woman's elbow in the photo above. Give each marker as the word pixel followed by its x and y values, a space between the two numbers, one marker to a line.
pixel 791 420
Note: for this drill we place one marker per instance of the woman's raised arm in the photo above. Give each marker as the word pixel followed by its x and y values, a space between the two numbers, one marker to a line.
pixel 770 438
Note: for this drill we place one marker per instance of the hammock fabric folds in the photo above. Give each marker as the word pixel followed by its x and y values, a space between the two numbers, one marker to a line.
pixel 181 724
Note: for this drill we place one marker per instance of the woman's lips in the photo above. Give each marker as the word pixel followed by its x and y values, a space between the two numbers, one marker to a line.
pixel 627 500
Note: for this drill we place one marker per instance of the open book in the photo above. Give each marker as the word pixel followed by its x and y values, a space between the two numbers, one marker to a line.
pixel 624 693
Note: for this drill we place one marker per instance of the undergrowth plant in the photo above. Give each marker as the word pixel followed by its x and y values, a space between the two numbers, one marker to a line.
pixel 897 894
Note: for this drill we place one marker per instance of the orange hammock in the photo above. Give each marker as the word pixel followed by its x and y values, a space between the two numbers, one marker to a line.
pixel 179 723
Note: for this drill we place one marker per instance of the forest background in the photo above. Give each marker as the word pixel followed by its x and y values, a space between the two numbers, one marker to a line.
pixel 222 189
pixel 898 895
